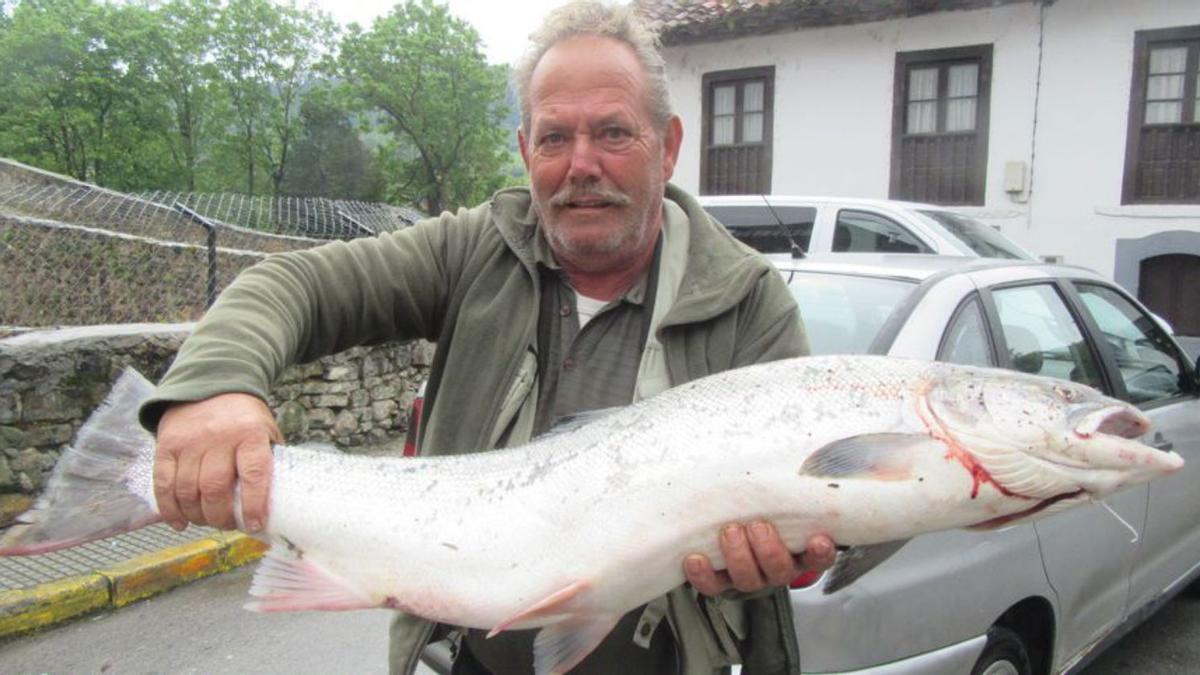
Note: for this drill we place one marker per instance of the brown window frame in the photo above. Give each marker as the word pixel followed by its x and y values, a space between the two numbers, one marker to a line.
pixel 709 82
pixel 943 59
pixel 1143 41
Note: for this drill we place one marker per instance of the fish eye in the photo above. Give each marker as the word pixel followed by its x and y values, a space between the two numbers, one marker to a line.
pixel 1066 394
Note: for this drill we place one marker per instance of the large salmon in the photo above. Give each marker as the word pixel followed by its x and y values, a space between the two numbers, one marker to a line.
pixel 571 531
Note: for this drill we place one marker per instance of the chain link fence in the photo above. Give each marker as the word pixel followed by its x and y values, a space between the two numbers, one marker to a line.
pixel 75 254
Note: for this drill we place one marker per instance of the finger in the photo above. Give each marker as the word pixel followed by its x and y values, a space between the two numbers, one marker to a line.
pixel 772 555
pixel 218 475
pixel 164 489
pixel 187 486
pixel 703 577
pixel 739 558
pixel 254 473
pixel 819 555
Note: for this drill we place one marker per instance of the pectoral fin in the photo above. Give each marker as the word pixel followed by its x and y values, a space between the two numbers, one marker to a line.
pixel 854 562
pixel 571 634
pixel 559 603
pixel 883 456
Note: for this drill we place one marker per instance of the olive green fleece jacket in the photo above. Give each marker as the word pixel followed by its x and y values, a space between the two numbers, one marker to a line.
pixel 467 281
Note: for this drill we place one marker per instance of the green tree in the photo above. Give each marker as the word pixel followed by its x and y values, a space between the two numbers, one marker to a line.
pixel 420 73
pixel 331 159
pixel 267 54
pixel 181 61
pixel 78 96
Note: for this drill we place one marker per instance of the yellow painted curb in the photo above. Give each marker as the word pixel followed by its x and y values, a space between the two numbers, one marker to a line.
pixel 241 549
pixel 156 572
pixel 47 604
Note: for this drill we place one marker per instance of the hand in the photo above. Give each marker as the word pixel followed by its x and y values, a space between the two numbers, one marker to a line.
pixel 204 449
pixel 756 558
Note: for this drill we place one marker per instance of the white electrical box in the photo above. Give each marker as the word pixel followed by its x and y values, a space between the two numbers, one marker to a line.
pixel 1014 177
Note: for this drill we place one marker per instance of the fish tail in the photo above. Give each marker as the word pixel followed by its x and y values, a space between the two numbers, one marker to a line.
pixel 101 486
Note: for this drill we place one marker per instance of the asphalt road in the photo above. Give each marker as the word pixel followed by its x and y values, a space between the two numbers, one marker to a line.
pixel 202 628
pixel 1168 643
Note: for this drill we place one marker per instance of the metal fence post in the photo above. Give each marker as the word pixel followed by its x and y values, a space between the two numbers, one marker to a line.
pixel 210 292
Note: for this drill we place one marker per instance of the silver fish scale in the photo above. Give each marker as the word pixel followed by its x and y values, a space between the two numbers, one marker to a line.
pixel 798 404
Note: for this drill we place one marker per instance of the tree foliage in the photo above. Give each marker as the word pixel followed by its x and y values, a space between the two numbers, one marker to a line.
pixel 421 70
pixel 253 96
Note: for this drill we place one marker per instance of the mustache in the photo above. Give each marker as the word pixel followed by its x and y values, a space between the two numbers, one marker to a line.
pixel 572 193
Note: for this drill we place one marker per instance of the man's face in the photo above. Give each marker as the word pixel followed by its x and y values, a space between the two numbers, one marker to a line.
pixel 597 164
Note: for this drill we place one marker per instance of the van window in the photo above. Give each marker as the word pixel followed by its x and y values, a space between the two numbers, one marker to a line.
pixel 760 228
pixel 860 231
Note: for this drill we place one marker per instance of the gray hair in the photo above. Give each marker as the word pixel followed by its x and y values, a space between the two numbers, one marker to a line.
pixel 595 17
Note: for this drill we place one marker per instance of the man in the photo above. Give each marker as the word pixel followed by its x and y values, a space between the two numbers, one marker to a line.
pixel 598 286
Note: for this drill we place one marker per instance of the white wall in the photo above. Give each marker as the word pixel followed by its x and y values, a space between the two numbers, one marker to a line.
pixel 833 112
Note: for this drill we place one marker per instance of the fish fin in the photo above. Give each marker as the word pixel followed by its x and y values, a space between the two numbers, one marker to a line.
pixel 856 561
pixel 286 581
pixel 561 646
pixel 882 456
pixel 92 492
pixel 557 603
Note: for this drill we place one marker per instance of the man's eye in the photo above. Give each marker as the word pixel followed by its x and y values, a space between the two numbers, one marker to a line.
pixel 615 134
pixel 552 139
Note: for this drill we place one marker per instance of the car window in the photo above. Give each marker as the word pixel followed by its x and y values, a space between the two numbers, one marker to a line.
pixel 759 225
pixel 1148 361
pixel 1041 335
pixel 966 341
pixel 980 238
pixel 860 231
pixel 842 313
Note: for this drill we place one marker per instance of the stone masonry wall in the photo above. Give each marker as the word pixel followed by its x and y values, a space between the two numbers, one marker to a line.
pixel 50 381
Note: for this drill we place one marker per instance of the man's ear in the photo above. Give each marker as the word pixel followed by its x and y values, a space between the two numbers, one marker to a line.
pixel 524 149
pixel 672 140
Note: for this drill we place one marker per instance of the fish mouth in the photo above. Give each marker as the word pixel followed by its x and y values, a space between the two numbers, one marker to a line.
pixel 1114 420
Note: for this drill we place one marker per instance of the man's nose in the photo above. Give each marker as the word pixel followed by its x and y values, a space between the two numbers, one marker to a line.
pixel 585 159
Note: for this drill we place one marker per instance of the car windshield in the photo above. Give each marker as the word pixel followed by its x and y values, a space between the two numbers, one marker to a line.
pixel 984 240
pixel 843 313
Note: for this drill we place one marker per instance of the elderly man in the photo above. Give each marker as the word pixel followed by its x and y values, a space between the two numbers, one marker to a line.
pixel 599 285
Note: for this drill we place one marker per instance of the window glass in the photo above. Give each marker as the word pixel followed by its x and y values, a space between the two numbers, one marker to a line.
pixel 966 340
pixel 1148 361
pixel 759 226
pixel 752 112
pixel 723 114
pixel 960 104
pixel 1164 85
pixel 981 238
pixel 1042 336
pixel 842 314
pixel 859 231
pixel 922 100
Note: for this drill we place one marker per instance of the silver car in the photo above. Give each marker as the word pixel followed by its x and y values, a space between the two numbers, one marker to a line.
pixel 773 223
pixel 1034 598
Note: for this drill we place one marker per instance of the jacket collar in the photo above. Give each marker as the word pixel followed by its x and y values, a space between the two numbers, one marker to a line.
pixel 720 271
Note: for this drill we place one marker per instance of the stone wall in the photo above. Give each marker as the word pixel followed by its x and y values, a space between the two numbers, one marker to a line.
pixel 50 381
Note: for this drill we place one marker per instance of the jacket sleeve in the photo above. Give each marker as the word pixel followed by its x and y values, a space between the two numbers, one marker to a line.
pixel 771 327
pixel 296 307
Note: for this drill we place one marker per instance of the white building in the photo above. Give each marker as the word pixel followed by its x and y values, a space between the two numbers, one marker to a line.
pixel 1071 125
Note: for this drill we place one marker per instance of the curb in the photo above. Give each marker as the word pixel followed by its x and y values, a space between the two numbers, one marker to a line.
pixel 47 604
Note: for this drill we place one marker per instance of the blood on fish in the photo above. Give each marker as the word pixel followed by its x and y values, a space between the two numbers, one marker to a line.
pixel 979 475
